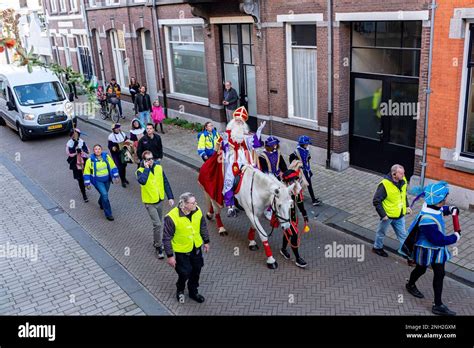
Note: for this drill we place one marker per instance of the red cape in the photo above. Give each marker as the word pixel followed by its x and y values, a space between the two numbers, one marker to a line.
pixel 211 178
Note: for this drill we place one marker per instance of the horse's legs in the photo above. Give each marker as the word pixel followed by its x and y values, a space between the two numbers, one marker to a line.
pixel 251 235
pixel 271 262
pixel 220 226
pixel 210 211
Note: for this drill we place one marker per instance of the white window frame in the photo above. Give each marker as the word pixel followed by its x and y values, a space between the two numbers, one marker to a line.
pixel 173 93
pixel 117 59
pixel 73 4
pixel 54 6
pixel 462 98
pixel 92 3
pixel 112 2
pixel 62 6
pixel 289 70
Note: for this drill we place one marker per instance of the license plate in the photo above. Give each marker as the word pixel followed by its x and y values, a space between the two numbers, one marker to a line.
pixel 55 126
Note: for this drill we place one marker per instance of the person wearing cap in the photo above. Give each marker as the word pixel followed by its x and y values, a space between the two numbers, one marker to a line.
pixel 117 140
pixel 100 171
pixel 391 203
pixel 77 152
pixel 431 243
pixel 302 154
pixel 238 147
pixel 291 235
pixel 271 159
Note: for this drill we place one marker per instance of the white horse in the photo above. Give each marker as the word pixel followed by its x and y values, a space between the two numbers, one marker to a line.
pixel 257 192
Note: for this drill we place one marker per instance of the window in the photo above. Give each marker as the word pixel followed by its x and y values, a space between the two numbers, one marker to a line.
pixel 23 3
pixel 302 70
pixel 468 128
pixel 186 60
pixel 39 93
pixel 84 54
pixel 62 4
pixel 3 90
pixel 53 6
pixel 113 2
pixel 119 56
pixel 391 48
pixel 92 3
pixel 73 4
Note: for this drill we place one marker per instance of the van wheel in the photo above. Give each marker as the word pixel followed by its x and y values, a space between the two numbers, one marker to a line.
pixel 22 134
pixel 2 122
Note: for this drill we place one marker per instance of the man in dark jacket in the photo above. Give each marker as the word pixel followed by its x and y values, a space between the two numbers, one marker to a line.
pixel 151 141
pixel 230 100
pixel 143 106
pixel 185 232
pixel 391 203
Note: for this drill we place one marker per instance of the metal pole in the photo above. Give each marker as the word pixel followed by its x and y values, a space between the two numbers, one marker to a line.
pixel 427 98
pixel 160 58
pixel 330 82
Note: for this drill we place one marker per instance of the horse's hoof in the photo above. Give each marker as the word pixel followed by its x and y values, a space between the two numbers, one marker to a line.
pixel 209 216
pixel 253 247
pixel 223 233
pixel 273 265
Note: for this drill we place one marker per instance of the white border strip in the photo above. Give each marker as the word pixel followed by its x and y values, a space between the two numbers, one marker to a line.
pixel 383 16
pixel 231 19
pixel 307 17
pixel 177 21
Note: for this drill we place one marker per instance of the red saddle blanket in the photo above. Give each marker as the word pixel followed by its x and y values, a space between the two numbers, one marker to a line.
pixel 211 178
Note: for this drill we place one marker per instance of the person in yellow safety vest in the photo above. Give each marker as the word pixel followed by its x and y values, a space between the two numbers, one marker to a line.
pixel 100 171
pixel 154 185
pixel 391 203
pixel 376 101
pixel 207 140
pixel 184 233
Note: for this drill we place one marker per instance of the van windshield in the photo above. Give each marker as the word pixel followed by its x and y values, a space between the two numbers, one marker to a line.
pixel 39 93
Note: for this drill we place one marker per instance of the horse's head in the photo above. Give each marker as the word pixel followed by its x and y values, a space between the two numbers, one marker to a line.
pixel 282 204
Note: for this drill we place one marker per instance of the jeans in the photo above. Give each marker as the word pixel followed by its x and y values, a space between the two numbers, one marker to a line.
pixel 398 226
pixel 229 114
pixel 120 107
pixel 103 189
pixel 156 214
pixel 144 117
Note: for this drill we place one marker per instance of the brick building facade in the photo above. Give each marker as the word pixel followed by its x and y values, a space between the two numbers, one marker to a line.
pixel 450 145
pixel 276 55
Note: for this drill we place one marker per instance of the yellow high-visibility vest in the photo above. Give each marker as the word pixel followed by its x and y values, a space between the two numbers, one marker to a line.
pixel 187 233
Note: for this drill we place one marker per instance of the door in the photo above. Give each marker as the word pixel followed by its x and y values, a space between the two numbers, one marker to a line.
pixel 67 53
pixel 238 66
pixel 384 113
pixel 118 52
pixel 149 64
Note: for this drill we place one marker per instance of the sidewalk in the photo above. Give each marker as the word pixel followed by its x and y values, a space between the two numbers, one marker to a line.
pixel 51 266
pixel 347 196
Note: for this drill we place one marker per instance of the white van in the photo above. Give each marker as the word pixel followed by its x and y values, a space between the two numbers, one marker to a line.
pixel 33 103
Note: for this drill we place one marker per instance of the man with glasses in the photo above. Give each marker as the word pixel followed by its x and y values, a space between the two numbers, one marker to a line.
pixel 185 231
pixel 154 185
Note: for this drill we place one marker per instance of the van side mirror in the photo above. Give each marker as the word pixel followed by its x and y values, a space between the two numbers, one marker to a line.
pixel 11 106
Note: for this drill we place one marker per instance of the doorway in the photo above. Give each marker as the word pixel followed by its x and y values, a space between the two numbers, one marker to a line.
pixel 238 66
pixel 149 63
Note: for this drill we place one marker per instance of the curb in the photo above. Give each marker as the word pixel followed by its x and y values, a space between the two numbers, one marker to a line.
pixel 337 220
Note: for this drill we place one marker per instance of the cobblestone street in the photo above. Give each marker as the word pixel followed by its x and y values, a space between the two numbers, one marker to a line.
pixel 234 280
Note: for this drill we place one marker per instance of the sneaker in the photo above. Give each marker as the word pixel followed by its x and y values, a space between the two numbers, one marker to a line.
pixel 412 289
pixel 126 181
pixel 232 212
pixel 124 185
pixel 110 218
pixel 159 251
pixel 380 252
pixel 442 310
pixel 197 297
pixel 317 201
pixel 285 253
pixel 411 263
pixel 122 116
pixel 300 262
pixel 86 199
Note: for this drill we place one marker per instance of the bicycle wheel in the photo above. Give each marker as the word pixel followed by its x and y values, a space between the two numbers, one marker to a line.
pixel 114 115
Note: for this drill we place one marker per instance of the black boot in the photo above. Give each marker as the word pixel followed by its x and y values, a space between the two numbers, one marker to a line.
pixel 442 310
pixel 412 289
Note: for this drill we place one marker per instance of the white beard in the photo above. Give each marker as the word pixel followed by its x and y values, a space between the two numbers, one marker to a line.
pixel 237 132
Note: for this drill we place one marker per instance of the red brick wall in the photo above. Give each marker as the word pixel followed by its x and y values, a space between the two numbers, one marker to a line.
pixel 444 103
